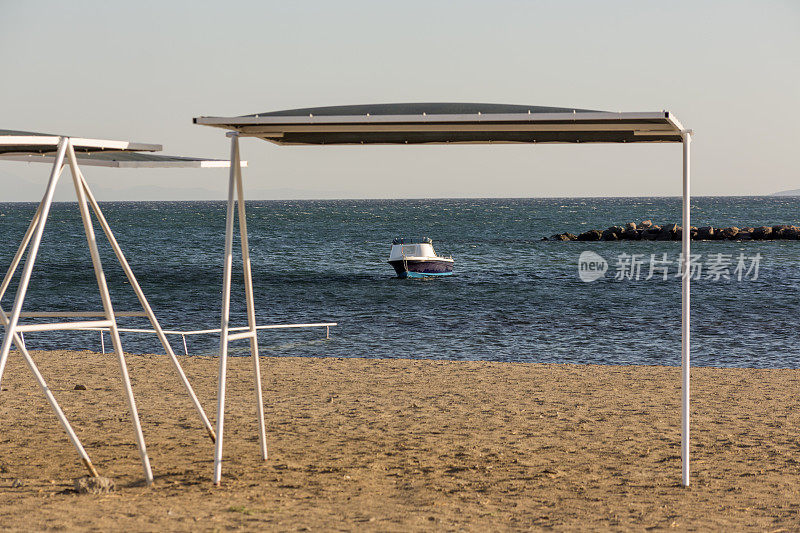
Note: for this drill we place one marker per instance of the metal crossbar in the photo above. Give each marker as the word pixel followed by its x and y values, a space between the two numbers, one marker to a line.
pixel 247 333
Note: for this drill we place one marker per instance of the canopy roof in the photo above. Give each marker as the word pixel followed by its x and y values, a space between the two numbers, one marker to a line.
pixel 29 142
pixel 42 147
pixel 127 160
pixel 420 123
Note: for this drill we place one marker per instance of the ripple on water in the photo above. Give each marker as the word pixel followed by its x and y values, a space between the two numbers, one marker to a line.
pixel 512 298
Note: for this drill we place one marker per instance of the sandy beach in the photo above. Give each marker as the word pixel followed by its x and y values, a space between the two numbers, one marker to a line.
pixel 398 445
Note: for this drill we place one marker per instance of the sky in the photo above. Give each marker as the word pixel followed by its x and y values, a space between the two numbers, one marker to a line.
pixel 140 71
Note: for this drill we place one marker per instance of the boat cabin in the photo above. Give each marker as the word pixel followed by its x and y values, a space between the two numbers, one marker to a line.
pixel 411 248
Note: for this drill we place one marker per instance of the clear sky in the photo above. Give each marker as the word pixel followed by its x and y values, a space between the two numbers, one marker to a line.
pixel 141 70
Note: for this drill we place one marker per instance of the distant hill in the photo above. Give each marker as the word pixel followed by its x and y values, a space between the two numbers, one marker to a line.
pixel 793 192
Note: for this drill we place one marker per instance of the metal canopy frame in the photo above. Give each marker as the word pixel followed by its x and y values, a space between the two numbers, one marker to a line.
pixel 127 160
pixel 65 151
pixel 29 142
pixel 441 123
pixel 416 126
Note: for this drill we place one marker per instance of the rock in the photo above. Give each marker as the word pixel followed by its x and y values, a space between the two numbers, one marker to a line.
pixel 17 483
pixel 793 233
pixel 646 223
pixel 591 235
pixel 609 235
pixel 777 231
pixel 94 485
pixel 744 235
pixel 79 387
pixel 667 233
pixel 728 233
pixel 781 232
pixel 649 234
pixel 630 233
pixel 563 237
pixel 748 230
pixel 706 233
pixel 762 233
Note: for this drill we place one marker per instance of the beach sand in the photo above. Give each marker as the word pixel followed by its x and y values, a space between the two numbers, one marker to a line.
pixel 399 445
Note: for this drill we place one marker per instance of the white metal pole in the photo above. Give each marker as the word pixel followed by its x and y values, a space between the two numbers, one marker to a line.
pixel 22 246
pixel 125 266
pixel 109 311
pixel 20 342
pixel 19 299
pixel 226 307
pixel 87 462
pixel 102 342
pixel 248 289
pixel 685 309
pixel 146 305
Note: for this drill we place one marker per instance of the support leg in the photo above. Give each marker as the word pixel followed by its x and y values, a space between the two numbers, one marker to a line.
pixel 51 399
pixel 146 305
pixel 226 308
pixel 685 313
pixel 109 311
pixel 47 201
pixel 57 409
pixel 22 247
pixel 248 288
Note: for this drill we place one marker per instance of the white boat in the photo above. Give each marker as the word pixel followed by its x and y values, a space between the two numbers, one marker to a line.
pixel 416 258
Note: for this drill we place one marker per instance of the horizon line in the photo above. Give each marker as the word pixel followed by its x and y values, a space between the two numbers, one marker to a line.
pixel 770 195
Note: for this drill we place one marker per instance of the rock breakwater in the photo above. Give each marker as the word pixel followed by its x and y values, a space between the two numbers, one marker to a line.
pixel 647 231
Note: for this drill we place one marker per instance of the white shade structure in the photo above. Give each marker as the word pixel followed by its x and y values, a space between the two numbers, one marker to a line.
pixel 128 160
pixel 34 147
pixel 446 123
pixel 61 151
pixel 450 123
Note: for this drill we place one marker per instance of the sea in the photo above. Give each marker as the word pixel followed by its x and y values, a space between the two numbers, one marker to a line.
pixel 513 297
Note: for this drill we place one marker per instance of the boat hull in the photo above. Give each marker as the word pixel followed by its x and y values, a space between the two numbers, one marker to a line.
pixel 416 268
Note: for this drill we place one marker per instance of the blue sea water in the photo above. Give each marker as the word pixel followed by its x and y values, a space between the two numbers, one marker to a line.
pixel 512 298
